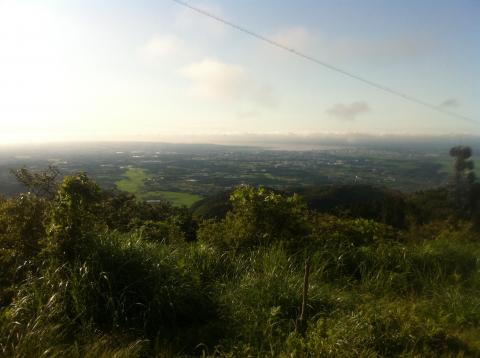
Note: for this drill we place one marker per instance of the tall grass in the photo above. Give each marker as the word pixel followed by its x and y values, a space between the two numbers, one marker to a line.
pixel 373 292
pixel 125 286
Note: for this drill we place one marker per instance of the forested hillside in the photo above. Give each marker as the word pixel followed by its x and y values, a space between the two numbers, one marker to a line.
pixel 339 271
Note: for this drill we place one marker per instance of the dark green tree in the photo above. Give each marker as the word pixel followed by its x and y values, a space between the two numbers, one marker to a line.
pixel 463 178
pixel 42 183
pixel 259 217
pixel 75 215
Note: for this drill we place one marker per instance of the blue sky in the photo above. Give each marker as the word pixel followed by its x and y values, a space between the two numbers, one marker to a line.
pixel 87 70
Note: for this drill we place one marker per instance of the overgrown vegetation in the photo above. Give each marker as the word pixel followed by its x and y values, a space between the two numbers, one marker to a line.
pixel 88 272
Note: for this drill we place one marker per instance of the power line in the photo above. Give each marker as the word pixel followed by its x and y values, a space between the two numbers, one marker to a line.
pixel 325 64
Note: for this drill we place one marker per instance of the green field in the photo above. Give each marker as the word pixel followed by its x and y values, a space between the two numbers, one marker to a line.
pixel 134 183
pixel 176 198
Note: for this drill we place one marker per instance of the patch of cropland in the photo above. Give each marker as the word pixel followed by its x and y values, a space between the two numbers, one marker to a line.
pixel 134 183
pixel 176 198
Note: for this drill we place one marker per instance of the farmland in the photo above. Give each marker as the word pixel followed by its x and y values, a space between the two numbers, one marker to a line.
pixel 134 183
pixel 184 174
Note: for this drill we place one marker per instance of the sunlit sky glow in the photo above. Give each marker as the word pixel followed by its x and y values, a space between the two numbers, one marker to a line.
pixel 148 70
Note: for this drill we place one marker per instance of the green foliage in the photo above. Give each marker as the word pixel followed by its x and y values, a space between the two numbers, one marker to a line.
pixel 259 217
pixel 22 236
pixel 22 224
pixel 74 216
pixel 93 273
pixel 162 232
pixel 431 205
pixel 124 285
pixel 213 207
pixel 42 183
pixel 375 256
pixel 118 209
pixel 358 201
pixel 384 329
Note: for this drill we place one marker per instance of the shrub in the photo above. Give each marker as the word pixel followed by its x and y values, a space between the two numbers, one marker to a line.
pixel 259 217
pixel 22 237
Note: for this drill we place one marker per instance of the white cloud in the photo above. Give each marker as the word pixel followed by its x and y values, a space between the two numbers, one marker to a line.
pixel 212 78
pixel 162 46
pixel 218 80
pixel 348 112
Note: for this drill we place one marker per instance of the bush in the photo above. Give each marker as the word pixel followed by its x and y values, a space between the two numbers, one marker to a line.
pixel 22 237
pixel 259 217
pixel 161 232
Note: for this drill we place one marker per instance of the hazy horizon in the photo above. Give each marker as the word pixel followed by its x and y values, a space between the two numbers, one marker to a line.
pixel 290 141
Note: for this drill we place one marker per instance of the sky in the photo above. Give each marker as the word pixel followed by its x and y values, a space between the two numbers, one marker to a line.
pixel 75 70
